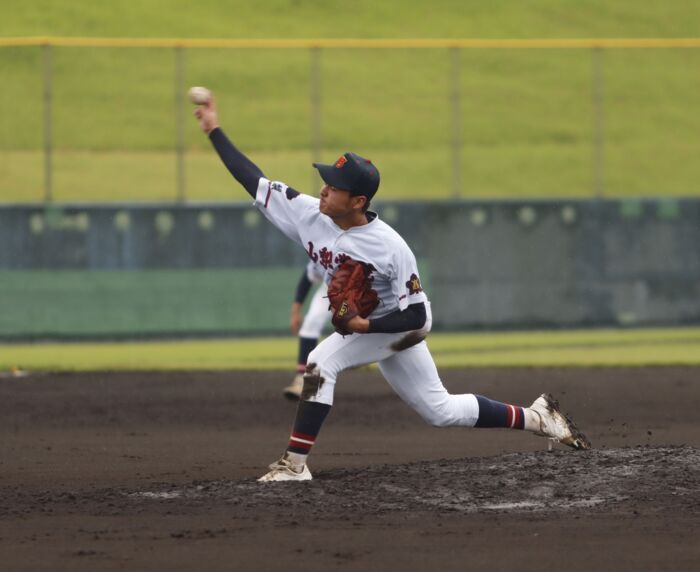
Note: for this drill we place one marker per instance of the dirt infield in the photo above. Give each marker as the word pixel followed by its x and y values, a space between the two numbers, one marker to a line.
pixel 156 471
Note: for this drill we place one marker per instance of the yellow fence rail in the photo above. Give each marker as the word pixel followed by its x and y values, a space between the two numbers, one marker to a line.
pixel 583 43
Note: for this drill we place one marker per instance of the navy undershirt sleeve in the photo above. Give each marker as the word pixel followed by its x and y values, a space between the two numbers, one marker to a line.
pixel 412 318
pixel 302 288
pixel 243 169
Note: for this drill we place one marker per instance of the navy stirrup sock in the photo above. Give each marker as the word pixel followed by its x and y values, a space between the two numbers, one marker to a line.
pixel 310 417
pixel 496 414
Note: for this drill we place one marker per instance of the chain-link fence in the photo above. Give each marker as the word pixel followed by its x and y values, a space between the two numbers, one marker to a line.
pixel 90 119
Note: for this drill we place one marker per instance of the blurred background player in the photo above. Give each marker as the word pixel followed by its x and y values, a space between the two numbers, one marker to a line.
pixel 309 331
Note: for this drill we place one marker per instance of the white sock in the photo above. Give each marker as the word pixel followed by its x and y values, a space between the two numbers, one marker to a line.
pixel 532 420
pixel 296 459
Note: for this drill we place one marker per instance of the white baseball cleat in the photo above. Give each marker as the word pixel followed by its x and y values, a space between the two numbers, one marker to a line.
pixel 557 426
pixel 293 390
pixel 283 470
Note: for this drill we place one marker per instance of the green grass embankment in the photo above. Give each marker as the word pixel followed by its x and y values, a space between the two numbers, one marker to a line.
pixel 526 116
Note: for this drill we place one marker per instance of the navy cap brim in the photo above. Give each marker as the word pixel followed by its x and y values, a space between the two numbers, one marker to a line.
pixel 333 176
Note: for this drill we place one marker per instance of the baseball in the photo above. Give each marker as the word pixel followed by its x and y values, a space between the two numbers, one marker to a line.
pixel 199 95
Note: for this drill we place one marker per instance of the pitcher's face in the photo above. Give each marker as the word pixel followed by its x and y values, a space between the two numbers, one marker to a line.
pixel 337 203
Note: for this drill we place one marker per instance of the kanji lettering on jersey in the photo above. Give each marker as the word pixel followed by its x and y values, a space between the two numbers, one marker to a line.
pixel 310 251
pixel 326 258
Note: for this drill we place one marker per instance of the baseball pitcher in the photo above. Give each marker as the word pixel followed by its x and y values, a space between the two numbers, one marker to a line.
pixel 380 311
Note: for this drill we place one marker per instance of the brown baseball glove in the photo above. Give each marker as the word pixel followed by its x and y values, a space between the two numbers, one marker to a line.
pixel 350 294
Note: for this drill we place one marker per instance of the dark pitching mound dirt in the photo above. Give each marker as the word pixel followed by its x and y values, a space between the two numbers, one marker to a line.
pixel 648 478
pixel 139 471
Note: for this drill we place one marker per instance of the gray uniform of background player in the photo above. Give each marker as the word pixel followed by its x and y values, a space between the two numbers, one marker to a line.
pixel 316 317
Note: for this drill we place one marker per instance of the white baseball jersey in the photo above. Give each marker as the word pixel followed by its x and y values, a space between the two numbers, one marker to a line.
pixel 395 275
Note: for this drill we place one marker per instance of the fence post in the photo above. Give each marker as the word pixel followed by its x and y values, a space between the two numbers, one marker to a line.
pixel 315 98
pixel 456 123
pixel 598 124
pixel 180 121
pixel 47 80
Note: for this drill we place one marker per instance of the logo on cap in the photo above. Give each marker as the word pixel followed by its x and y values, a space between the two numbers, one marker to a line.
pixel 340 162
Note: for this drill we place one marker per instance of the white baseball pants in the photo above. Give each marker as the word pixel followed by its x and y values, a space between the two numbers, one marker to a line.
pixel 411 373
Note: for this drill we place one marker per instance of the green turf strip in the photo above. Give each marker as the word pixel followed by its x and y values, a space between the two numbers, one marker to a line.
pixel 679 346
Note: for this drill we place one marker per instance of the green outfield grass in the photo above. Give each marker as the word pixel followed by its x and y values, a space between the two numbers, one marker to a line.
pixel 357 19
pixel 651 347
pixel 527 116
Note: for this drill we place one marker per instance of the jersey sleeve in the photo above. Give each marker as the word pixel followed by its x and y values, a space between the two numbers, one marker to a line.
pixel 287 209
pixel 406 283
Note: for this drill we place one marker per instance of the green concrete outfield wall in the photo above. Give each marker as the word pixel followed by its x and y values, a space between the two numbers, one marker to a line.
pixel 145 303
